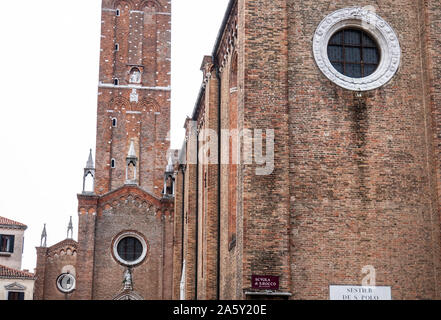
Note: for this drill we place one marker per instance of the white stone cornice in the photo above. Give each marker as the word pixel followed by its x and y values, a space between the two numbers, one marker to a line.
pixel 109 85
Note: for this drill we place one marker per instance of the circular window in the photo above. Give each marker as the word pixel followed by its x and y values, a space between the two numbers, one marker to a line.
pixel 356 49
pixel 129 248
pixel 66 283
pixel 353 53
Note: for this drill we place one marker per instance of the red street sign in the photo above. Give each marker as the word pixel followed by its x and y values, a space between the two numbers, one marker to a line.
pixel 265 282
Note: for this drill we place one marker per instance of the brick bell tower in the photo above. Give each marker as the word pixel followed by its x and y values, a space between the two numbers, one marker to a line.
pixel 134 93
pixel 133 123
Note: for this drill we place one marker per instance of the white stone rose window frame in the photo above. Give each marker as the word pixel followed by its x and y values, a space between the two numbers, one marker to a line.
pixel 129 248
pixel 369 23
pixel 66 282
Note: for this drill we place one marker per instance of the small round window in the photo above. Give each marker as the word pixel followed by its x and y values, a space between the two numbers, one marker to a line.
pixel 129 249
pixel 66 283
pixel 353 53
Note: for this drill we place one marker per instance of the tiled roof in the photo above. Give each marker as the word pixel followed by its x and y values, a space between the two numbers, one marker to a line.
pixel 9 273
pixel 9 222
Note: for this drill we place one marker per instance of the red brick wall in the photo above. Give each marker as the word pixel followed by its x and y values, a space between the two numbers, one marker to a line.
pixel 87 212
pixel 51 263
pixel 190 216
pixel 430 28
pixel 142 112
pixel 178 234
pixel 361 178
pixel 40 271
pixel 144 41
pixel 152 277
pixel 208 187
pixel 265 105
pixel 355 183
pixel 230 251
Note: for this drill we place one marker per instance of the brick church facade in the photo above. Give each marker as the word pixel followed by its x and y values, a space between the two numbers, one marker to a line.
pixel 124 248
pixel 311 159
pixel 347 100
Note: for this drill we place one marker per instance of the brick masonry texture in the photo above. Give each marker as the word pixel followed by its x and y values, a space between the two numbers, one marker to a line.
pixel 362 176
pixel 355 181
pixel 143 43
pixel 129 110
pixel 52 262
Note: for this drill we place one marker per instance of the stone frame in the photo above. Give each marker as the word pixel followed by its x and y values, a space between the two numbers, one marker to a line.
pixel 377 28
pixel 126 234
pixel 61 289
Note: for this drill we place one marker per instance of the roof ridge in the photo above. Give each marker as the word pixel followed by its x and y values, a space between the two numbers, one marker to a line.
pixel 9 272
pixel 10 222
pixel 62 242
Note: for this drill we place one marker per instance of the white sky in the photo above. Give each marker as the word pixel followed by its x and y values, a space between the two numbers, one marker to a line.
pixel 48 80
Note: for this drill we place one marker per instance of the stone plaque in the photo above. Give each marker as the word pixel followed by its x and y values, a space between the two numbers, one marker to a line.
pixel 359 293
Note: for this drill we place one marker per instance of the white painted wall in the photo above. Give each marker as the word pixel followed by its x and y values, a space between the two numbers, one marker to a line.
pixel 28 284
pixel 14 259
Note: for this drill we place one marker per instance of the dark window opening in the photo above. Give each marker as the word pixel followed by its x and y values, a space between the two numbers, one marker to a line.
pixel 118 12
pixel 116 82
pixel 117 47
pixel 112 163
pixel 114 122
pixel 169 185
pixel 130 249
pixel 354 53
pixel 15 295
pixel 7 243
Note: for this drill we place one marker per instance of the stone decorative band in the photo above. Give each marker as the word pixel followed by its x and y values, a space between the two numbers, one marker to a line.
pixel 379 29
pixel 136 11
pixel 109 85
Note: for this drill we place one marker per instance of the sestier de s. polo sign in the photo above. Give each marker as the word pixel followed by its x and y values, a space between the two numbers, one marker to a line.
pixel 359 293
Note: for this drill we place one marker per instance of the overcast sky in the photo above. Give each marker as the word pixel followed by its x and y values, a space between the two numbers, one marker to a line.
pixel 48 80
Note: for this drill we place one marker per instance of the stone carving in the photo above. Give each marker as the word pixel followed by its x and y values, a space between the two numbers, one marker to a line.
pixel 135 76
pixel 128 280
pixel 381 31
pixel 133 96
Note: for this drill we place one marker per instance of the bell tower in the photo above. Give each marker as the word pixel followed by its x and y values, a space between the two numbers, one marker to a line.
pixel 133 115
pixel 133 123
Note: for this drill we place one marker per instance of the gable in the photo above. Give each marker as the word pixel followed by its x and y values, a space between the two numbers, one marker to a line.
pixel 15 287
pixel 133 195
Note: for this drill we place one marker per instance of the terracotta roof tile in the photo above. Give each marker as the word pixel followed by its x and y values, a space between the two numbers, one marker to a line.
pixel 9 222
pixel 6 272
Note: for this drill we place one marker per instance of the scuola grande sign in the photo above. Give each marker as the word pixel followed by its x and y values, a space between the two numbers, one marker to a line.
pixel 265 282
pixel 359 293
